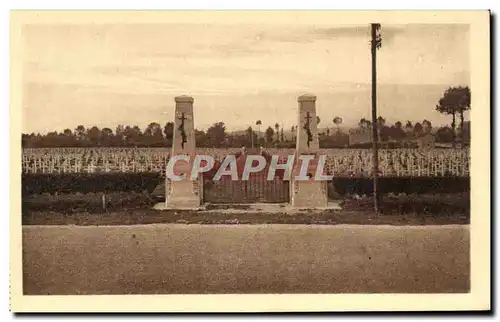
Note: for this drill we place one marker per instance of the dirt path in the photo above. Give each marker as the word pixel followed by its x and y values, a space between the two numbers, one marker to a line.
pixel 172 258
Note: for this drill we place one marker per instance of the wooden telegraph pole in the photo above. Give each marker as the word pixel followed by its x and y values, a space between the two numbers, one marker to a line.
pixel 376 43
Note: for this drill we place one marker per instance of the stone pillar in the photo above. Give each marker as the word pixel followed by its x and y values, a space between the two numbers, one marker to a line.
pixel 184 194
pixel 308 194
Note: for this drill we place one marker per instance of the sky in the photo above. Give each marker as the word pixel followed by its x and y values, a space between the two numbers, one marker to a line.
pixel 112 74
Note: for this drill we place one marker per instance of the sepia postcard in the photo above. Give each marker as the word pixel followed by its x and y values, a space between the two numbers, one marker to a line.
pixel 250 161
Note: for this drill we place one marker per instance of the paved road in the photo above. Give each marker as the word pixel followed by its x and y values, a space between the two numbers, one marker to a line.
pixel 244 259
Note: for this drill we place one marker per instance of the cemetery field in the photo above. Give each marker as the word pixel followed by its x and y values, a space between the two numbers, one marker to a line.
pixel 340 162
pixel 183 259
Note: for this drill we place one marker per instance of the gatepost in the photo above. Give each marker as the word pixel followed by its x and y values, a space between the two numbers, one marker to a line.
pixel 311 193
pixel 185 193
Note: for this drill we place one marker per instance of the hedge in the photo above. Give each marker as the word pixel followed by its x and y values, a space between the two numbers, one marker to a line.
pixel 36 184
pixel 407 185
pixel 91 202
pixel 457 203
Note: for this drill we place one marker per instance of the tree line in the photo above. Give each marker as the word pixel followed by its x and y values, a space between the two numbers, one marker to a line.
pixel 454 102
pixel 155 135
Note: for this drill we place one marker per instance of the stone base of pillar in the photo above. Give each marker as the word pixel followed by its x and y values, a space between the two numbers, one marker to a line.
pixel 184 202
pixel 332 193
pixel 181 195
pixel 309 195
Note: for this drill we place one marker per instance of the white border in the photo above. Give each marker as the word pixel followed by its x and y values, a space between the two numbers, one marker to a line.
pixel 312 4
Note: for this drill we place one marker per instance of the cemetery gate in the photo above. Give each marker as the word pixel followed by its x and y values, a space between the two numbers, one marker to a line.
pixel 257 189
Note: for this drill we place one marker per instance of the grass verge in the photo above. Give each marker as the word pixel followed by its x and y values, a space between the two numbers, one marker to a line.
pixel 135 209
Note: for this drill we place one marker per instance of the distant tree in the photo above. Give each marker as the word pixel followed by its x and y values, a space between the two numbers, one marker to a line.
pixel 455 100
pixel 282 135
pixel 444 135
pixel 385 132
pixel 337 121
pixel 463 105
pixel 200 138
pixel 66 138
pixel 217 134
pixel 466 133
pixel 409 129
pixel 106 137
pixel 153 135
pixel 339 140
pixel 396 131
pixel 80 133
pixel 362 124
pixel 168 130
pixel 94 135
pixel 380 121
pixel 138 135
pixel 132 135
pixel 152 128
pixel 119 137
pixel 26 140
pixel 277 127
pixel 252 138
pixel 259 124
pixel 106 131
pixel 269 134
pixel 418 129
pixel 381 129
pixel 427 126
pixel 52 139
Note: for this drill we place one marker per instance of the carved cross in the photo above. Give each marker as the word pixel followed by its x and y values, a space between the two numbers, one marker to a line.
pixel 308 118
pixel 307 128
pixel 181 128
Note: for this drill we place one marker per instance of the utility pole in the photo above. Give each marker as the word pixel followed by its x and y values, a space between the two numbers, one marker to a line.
pixel 376 43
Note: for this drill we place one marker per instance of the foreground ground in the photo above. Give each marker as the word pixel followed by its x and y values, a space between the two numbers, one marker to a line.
pixel 217 217
pixel 149 259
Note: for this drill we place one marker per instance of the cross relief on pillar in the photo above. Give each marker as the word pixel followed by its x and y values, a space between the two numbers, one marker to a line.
pixel 307 127
pixel 181 129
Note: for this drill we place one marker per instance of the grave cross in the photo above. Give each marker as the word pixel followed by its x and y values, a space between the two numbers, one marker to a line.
pixel 307 128
pixel 181 128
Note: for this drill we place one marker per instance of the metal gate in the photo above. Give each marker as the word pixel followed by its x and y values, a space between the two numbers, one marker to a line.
pixel 255 190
